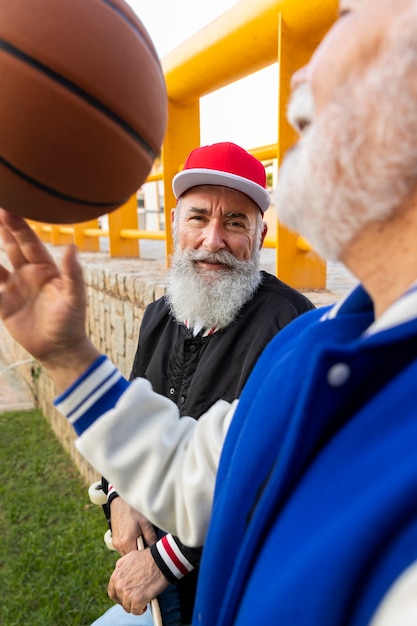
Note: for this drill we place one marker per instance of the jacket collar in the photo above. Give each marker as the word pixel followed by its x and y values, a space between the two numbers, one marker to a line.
pixel 403 310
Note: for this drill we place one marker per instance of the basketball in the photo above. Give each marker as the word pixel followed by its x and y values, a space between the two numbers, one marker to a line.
pixel 83 107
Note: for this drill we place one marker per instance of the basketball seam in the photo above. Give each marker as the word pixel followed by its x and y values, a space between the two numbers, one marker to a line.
pixel 78 91
pixel 127 19
pixel 58 194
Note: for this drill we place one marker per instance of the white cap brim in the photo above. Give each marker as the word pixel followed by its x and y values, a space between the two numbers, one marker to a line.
pixel 194 177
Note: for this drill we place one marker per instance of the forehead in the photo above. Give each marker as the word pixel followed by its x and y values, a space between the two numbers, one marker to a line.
pixel 213 197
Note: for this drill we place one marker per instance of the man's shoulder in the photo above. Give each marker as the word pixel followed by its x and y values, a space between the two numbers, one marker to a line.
pixel 156 313
pixel 158 305
pixel 276 288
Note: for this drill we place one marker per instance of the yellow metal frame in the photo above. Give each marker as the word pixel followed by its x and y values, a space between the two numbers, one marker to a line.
pixel 246 38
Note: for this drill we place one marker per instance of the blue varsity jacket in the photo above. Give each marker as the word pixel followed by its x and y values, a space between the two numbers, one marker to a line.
pixel 315 509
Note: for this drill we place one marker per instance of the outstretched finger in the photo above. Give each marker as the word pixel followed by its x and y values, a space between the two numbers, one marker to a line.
pixel 72 274
pixel 11 247
pixel 21 243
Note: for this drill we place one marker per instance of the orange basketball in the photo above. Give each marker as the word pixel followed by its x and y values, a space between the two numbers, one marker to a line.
pixel 83 107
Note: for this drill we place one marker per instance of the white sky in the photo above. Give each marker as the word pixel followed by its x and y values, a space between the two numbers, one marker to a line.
pixel 244 112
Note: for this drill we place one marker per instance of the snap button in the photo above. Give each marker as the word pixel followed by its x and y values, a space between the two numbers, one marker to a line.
pixel 171 391
pixel 182 400
pixel 338 374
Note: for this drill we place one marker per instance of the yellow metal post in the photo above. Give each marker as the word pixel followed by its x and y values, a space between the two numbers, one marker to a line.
pixel 84 243
pixel 297 265
pixel 60 237
pixel 292 265
pixel 183 135
pixel 124 217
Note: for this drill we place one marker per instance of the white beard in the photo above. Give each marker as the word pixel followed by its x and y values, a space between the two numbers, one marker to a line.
pixel 210 299
pixel 357 162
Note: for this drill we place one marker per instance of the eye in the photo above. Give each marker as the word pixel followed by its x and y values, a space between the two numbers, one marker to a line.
pixel 236 225
pixel 343 13
pixel 196 218
pixel 348 6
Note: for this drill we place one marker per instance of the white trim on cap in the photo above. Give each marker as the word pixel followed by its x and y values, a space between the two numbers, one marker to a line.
pixel 194 177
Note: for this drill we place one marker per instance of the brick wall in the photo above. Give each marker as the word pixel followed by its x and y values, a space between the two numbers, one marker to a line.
pixel 118 291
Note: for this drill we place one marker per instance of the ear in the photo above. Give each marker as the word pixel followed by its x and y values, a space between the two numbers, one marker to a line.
pixel 172 216
pixel 263 234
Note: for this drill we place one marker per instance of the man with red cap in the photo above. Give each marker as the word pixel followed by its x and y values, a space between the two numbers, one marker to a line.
pixel 198 344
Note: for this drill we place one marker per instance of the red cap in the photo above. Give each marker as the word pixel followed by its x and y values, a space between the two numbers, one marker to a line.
pixel 227 165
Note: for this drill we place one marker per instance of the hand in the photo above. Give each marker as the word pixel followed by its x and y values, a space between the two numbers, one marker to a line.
pixel 42 306
pixel 136 581
pixel 127 525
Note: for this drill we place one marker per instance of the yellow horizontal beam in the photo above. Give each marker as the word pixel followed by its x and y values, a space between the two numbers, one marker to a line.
pixel 152 178
pixel 133 233
pixel 241 41
pixel 265 153
pixel 95 232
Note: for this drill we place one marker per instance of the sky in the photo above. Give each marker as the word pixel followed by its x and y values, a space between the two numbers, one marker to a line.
pixel 225 114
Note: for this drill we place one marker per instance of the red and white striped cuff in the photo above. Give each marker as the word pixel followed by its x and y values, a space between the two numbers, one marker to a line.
pixel 173 558
pixel 111 493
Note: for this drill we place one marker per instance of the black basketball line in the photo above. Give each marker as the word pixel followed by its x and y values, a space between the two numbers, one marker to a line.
pixel 58 194
pixel 127 19
pixel 81 93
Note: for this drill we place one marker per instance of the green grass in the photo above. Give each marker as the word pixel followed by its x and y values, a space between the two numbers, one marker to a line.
pixel 54 566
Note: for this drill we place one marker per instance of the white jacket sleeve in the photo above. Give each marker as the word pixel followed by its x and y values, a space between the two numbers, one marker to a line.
pixel 399 605
pixel 162 465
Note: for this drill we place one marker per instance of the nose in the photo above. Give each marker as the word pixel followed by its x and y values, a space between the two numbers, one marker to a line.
pixel 214 237
pixel 299 77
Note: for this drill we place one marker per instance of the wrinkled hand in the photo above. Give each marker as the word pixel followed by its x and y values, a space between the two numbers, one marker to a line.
pixel 127 525
pixel 136 581
pixel 42 306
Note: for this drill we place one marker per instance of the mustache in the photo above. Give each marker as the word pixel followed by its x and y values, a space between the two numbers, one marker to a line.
pixel 222 256
pixel 300 109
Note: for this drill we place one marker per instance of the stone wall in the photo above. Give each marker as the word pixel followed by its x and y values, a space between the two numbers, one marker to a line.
pixel 118 291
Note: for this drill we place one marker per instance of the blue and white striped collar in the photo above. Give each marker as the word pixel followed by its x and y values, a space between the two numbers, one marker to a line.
pixel 404 309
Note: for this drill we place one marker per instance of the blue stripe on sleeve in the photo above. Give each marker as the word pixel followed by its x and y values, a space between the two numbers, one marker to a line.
pixel 96 391
pixel 105 402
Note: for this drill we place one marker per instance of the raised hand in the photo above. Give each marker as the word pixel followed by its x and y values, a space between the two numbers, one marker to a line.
pixel 42 305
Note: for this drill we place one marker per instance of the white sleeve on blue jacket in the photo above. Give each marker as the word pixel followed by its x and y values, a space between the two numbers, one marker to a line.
pixel 161 465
